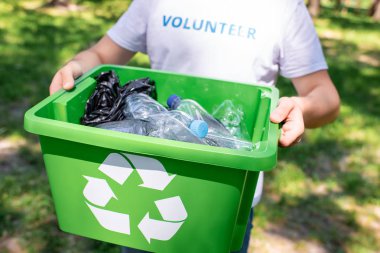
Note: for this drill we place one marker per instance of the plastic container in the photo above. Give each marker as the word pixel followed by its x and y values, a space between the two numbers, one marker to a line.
pixel 148 193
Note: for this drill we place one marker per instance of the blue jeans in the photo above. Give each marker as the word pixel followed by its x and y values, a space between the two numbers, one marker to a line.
pixel 244 247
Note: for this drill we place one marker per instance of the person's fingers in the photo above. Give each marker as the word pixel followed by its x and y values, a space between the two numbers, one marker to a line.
pixel 64 78
pixel 285 105
pixel 293 128
pixel 67 78
pixel 76 68
pixel 56 83
pixel 288 113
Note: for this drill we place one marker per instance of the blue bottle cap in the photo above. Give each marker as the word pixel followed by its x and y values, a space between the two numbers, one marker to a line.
pixel 171 100
pixel 199 128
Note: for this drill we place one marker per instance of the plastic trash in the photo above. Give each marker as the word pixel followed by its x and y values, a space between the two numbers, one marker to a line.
pixel 181 116
pixel 107 101
pixel 132 126
pixel 140 106
pixel 163 125
pixel 228 142
pixel 130 109
pixel 196 111
pixel 218 135
pixel 184 118
pixel 232 117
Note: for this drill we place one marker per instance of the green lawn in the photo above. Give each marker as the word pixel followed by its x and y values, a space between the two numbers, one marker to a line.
pixel 323 197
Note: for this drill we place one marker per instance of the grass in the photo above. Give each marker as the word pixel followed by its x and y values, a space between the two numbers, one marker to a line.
pixel 323 196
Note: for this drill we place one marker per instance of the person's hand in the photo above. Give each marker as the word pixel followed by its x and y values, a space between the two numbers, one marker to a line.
pixel 289 113
pixel 64 78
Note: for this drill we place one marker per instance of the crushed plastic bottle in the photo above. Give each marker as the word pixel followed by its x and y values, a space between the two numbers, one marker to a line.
pixel 163 125
pixel 181 116
pixel 218 135
pixel 140 106
pixel 197 126
pixel 132 126
pixel 232 117
pixel 196 111
pixel 228 142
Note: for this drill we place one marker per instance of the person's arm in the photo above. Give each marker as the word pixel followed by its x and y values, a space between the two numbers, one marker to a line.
pixel 317 104
pixel 104 51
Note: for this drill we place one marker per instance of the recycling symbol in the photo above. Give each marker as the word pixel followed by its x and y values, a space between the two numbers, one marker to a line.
pixel 98 193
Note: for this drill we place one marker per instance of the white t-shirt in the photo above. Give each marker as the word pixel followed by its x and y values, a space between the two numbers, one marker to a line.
pixel 249 41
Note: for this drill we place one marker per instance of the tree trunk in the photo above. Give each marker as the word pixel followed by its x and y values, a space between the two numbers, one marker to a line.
pixel 344 6
pixel 374 11
pixel 358 5
pixel 338 4
pixel 314 7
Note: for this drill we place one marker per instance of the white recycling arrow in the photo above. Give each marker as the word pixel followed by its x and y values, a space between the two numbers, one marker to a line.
pixel 114 221
pixel 97 191
pixel 159 230
pixel 151 171
pixel 116 167
pixel 171 209
pixel 154 176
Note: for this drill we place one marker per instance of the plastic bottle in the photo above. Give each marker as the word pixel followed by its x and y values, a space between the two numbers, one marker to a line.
pixel 218 135
pixel 164 125
pixel 132 126
pixel 161 125
pixel 212 139
pixel 140 106
pixel 185 118
pixel 228 142
pixel 196 111
pixel 232 117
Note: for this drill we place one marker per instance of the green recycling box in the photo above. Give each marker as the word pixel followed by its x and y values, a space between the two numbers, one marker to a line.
pixel 148 193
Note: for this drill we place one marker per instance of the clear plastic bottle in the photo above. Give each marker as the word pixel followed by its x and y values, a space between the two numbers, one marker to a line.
pixel 196 111
pixel 164 125
pixel 185 118
pixel 228 142
pixel 232 117
pixel 140 106
pixel 218 135
pixel 132 126
pixel 161 125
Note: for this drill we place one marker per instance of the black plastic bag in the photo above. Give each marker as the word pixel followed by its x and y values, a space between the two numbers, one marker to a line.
pixel 107 102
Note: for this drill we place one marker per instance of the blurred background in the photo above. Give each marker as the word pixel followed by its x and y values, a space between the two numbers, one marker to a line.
pixel 324 195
